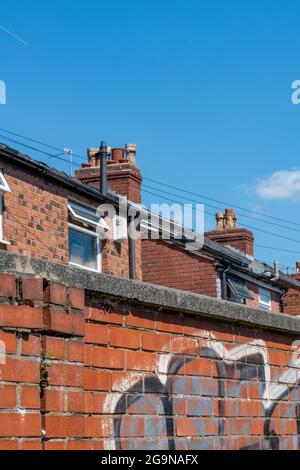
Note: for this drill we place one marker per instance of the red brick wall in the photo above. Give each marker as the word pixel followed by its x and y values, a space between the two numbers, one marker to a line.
pixel 170 266
pixel 123 178
pixel 240 239
pixel 117 376
pixel 36 222
pixel 292 300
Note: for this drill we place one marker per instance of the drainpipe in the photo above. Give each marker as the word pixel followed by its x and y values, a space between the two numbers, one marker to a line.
pixel 103 168
pixel 285 293
pixel 131 248
pixel 224 283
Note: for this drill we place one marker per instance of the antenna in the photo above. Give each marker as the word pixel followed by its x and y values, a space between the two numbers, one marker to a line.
pixel 69 153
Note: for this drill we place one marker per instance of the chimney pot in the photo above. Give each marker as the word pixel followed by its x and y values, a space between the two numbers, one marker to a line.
pixel 230 219
pixel 93 158
pixel 117 154
pixel 220 220
pixel 298 266
pixel 227 233
pixel 131 151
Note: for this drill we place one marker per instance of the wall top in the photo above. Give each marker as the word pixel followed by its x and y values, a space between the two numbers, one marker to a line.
pixel 150 295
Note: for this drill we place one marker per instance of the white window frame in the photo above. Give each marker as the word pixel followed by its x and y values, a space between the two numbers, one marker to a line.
pixel 4 188
pixel 262 303
pixel 101 224
pixel 99 255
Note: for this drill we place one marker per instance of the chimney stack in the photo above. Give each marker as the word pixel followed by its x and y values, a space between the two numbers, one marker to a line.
pixel 227 233
pixel 123 176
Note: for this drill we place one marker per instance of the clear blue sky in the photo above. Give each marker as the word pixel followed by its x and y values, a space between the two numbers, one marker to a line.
pixel 203 87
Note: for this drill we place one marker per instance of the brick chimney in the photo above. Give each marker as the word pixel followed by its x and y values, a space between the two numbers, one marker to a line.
pixel 123 175
pixel 227 233
pixel 292 299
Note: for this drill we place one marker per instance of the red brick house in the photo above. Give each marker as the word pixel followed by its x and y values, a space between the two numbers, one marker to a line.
pixel 48 215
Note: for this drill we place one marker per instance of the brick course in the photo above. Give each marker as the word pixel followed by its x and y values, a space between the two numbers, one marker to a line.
pixel 170 266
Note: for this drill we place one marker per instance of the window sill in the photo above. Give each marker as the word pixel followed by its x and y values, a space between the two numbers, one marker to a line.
pixel 83 267
pixel 4 242
pixel 265 307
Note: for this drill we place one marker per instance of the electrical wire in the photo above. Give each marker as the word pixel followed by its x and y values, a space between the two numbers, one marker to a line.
pixel 40 143
pixel 37 150
pixel 261 214
pixel 218 208
pixel 58 157
pixel 242 225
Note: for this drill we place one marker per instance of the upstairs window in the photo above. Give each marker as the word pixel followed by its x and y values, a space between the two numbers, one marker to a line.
pixel 3 184
pixel 84 248
pixel 237 291
pixel 84 240
pixel 86 215
pixel 4 188
pixel 264 299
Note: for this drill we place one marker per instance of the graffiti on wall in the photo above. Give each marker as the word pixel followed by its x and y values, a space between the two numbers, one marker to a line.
pixel 204 410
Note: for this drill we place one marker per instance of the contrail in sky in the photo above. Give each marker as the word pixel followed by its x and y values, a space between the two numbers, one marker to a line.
pixel 14 36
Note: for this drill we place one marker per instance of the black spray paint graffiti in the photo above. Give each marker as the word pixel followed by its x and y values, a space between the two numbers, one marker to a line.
pixel 244 363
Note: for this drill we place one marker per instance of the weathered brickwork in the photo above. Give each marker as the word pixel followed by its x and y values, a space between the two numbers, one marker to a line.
pixel 292 299
pixel 123 178
pixel 87 370
pixel 36 222
pixel 170 266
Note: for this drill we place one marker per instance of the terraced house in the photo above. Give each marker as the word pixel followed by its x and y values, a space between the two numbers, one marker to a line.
pixel 49 215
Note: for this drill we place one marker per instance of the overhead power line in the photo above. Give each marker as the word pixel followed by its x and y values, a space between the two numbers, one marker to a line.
pixel 242 225
pixel 49 155
pixel 40 143
pixel 218 208
pixel 261 214
pixel 277 249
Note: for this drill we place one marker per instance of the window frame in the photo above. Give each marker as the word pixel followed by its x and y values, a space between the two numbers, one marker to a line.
pixel 234 296
pixel 262 303
pixel 99 253
pixel 1 215
pixel 101 224
pixel 4 188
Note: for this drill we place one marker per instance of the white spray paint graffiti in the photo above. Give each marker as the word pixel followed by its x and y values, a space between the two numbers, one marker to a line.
pixel 222 354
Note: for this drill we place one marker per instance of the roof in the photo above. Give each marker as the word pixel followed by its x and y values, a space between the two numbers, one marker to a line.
pixel 216 250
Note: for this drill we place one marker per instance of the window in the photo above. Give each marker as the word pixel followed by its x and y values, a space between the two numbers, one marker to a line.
pixel 264 299
pixel 238 291
pixel 84 240
pixel 3 184
pixel 4 188
pixel 88 215
pixel 84 248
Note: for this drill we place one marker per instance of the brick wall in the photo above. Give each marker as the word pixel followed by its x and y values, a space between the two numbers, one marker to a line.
pixel 36 222
pixel 123 178
pixel 292 299
pixel 95 371
pixel 171 266
pixel 240 239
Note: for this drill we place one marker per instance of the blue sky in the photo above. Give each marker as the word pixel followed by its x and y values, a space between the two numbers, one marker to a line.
pixel 203 87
